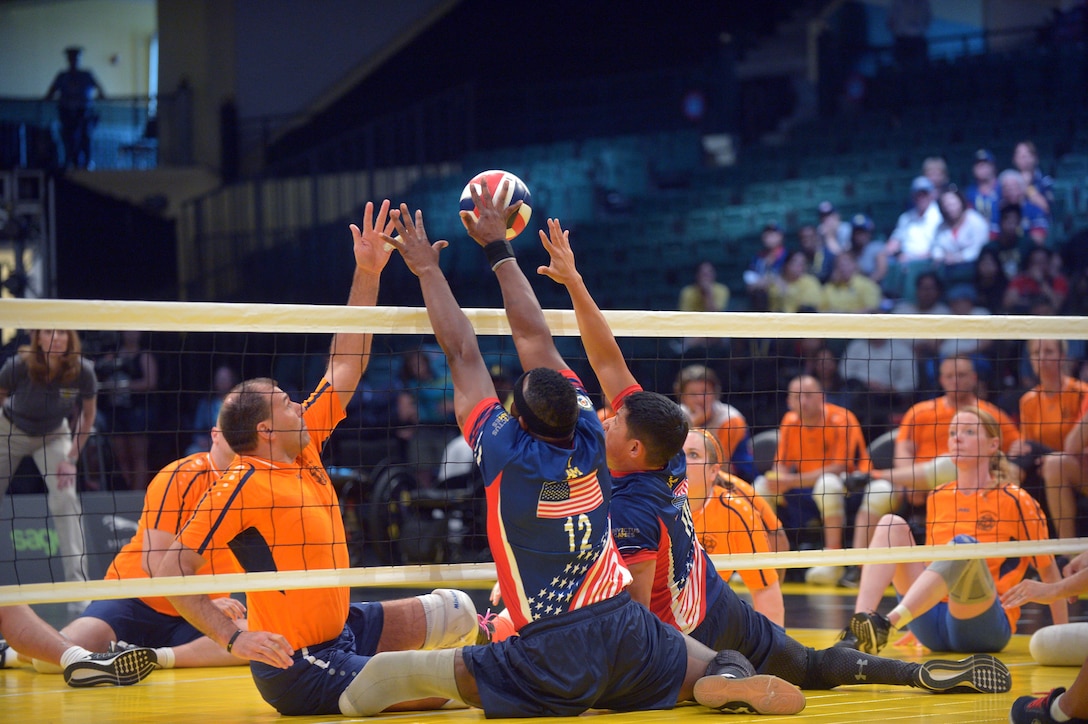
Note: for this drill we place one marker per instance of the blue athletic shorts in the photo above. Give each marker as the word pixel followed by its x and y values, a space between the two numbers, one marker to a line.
pixel 312 685
pixel 988 632
pixel 614 654
pixel 732 624
pixel 134 622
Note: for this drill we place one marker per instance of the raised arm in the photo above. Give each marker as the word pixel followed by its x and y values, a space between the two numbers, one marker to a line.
pixel 532 338
pixel 349 354
pixel 604 354
pixel 471 380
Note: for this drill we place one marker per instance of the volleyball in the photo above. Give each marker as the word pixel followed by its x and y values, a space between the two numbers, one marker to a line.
pixel 518 191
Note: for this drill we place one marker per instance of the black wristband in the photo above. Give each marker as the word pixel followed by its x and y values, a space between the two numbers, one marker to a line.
pixel 498 252
pixel 230 644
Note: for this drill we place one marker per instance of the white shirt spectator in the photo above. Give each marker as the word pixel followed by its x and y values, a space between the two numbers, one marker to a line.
pixel 880 364
pixel 916 232
pixel 961 244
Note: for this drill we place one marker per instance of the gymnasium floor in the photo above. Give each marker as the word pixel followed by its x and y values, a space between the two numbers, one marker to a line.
pixel 814 616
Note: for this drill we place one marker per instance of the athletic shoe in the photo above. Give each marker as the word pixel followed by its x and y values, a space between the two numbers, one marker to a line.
pixel 119 668
pixel 981 673
pixel 851 578
pixel 871 631
pixel 5 652
pixel 847 640
pixel 856 481
pixel 759 694
pixel 1029 710
pixel 823 575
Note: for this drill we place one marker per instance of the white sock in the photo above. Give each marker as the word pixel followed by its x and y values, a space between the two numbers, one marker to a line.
pixel 905 616
pixel 9 657
pixel 166 657
pixel 72 655
pixel 451 619
pixel 1056 712
pixel 46 667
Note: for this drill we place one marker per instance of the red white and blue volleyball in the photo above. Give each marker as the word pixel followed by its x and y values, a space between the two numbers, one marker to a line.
pixel 516 191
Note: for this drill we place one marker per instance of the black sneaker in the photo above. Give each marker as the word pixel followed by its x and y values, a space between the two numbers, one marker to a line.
pixel 759 694
pixel 978 673
pixel 851 578
pixel 118 668
pixel 871 631
pixel 847 640
pixel 1032 710
pixel 856 481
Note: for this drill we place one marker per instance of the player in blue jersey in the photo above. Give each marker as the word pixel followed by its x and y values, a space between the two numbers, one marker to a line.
pixel 583 642
pixel 652 524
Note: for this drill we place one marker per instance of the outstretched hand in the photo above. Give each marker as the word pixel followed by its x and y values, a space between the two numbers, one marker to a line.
pixel 412 242
pixel 1029 591
pixel 557 242
pixel 371 251
pixel 490 221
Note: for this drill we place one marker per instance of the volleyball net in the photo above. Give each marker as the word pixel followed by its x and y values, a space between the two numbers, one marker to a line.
pixel 411 498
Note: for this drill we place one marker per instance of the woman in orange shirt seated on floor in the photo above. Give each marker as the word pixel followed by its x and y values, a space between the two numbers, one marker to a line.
pixel 955 605
pixel 727 521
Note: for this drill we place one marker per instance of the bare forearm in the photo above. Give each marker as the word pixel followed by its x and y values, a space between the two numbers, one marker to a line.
pixel 600 344
pixel 532 337
pixel 349 354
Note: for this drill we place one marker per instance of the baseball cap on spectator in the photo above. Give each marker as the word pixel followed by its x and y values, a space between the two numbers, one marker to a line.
pixel 921 185
pixel 825 208
pixel 861 221
pixel 984 156
pixel 960 292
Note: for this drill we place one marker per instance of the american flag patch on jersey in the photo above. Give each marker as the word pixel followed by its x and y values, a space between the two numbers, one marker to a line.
pixel 560 498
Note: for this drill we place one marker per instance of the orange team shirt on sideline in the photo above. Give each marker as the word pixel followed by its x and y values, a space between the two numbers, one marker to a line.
pixel 767 514
pixel 1047 417
pixel 730 427
pixel 172 496
pixel 729 524
pixel 996 515
pixel 282 517
pixel 926 425
pixel 811 447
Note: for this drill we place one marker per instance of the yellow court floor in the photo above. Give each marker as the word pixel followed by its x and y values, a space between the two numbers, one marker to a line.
pixel 219 696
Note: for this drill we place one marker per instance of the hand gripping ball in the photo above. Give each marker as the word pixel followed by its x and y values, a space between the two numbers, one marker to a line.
pixel 518 191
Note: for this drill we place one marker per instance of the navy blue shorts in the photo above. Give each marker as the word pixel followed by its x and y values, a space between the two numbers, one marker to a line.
pixel 134 622
pixel 614 654
pixel 313 684
pixel 731 623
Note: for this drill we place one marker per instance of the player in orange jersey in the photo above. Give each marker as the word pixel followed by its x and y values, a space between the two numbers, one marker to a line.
pixel 726 522
pixel 955 605
pixel 1048 413
pixel 818 444
pixel 275 509
pixel 171 498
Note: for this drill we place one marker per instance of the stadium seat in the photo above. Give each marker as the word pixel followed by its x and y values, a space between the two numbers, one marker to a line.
pixel 764 449
pixel 882 450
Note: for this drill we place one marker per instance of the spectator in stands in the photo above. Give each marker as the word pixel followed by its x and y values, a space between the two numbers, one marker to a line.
pixel 40 388
pixel 921 451
pixel 699 390
pixel 821 260
pixel 1010 243
pixel 928 296
pixel 972 619
pixel 822 364
pixel 883 370
pixel 795 290
pixel 960 237
pixel 867 248
pixel 763 268
pixel 935 168
pixel 727 522
pixel 834 232
pixel 909 251
pixel 1036 282
pixel 207 410
pixel 990 281
pixel 424 414
pixel 129 377
pixel 982 194
pixel 1038 187
pixel 704 294
pixel 908 21
pixel 1048 413
pixel 849 291
pixel 818 444
pixel 75 90
pixel 1033 220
